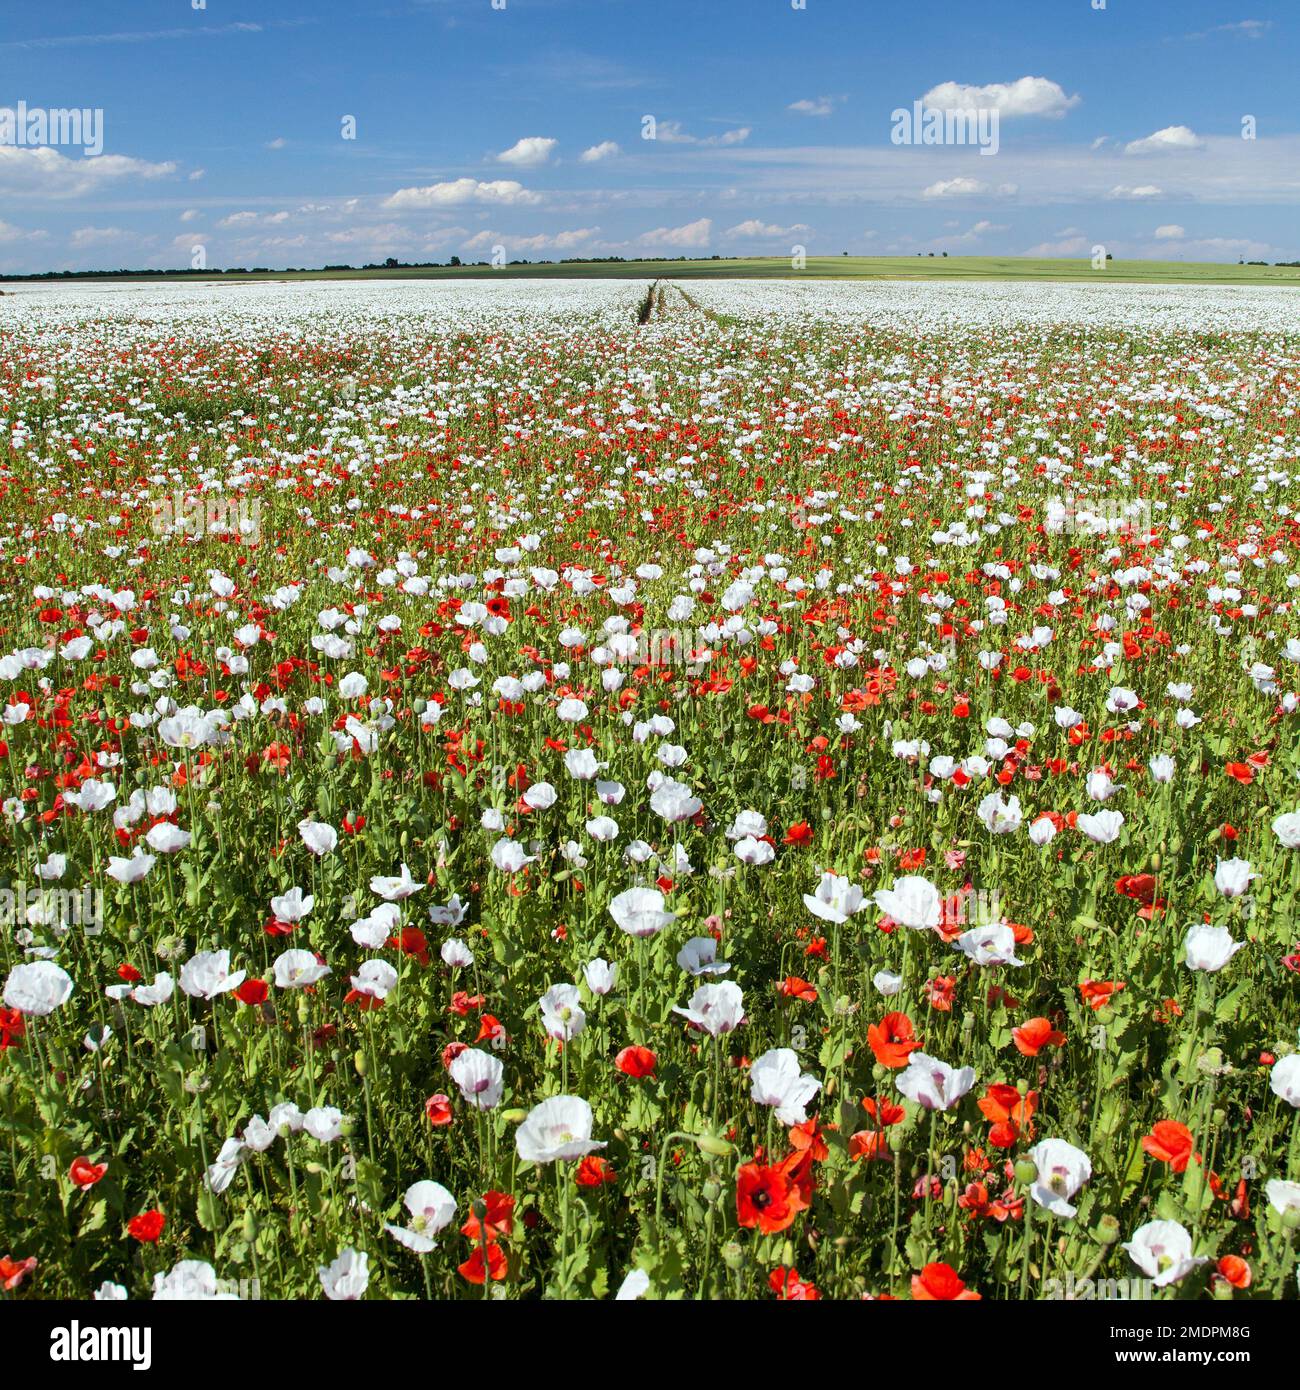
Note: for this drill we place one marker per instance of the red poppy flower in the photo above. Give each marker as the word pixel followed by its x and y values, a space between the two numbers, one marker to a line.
pixel 1010 1114
pixel 637 1062
pixel 252 992
pixel 12 1028
pixel 1097 993
pixel 498 1217
pixel 1140 887
pixel 800 834
pixel 795 988
pixel 766 1198
pixel 594 1171
pixel 1235 1270
pixel 1035 1034
pixel 892 1040
pixel 85 1174
pixel 809 1136
pixel 787 1286
pixel 13 1272
pixel 497 1264
pixel 147 1227
pixel 1170 1142
pixel 940 1283
pixel 438 1109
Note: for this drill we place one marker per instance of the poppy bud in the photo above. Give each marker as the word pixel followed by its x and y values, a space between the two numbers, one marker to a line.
pixel 787 1254
pixel 713 1144
pixel 514 1117
pixel 359 1061
pixel 250 1225
pixel 1107 1230
pixel 1154 862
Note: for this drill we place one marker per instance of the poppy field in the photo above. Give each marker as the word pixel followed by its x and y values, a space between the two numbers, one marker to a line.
pixel 591 789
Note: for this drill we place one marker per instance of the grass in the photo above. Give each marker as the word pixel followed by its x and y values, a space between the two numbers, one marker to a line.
pixel 818 268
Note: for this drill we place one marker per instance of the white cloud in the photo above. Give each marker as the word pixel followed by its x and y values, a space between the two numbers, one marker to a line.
pixel 1026 96
pixel 44 172
pixel 967 188
pixel 1171 138
pixel 542 241
pixel 692 236
pixel 1171 231
pixel 529 152
pixel 277 144
pixel 672 133
pixel 813 106
pixel 755 228
pixel 607 149
pixel 1243 29
pixel 502 192
pixel 98 236
pixel 197 174
pixel 8 232
pixel 1124 191
pixel 190 215
pixel 1067 246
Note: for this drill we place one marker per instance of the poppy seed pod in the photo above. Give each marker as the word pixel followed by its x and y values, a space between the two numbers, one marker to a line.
pixel 1291 1218
pixel 1026 1171
pixel 711 1190
pixel 1108 1230
pixel 733 1255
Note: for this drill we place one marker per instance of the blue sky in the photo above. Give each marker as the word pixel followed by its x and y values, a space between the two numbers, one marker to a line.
pixel 478 127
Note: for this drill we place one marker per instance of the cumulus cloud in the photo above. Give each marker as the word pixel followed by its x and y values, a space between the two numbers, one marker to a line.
pixel 968 188
pixel 98 236
pixel 1126 192
pixel 528 153
pixel 692 236
pixel 42 172
pixel 453 193
pixel 813 106
pixel 755 228
pixel 607 149
pixel 1066 246
pixel 1171 231
pixel 8 232
pixel 1166 141
pixel 672 133
pixel 1026 96
pixel 541 241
